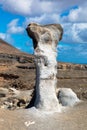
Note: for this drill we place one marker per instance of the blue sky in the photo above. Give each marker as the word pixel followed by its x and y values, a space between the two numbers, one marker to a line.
pixel 16 15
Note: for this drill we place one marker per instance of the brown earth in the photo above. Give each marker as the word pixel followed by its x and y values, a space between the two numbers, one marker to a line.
pixel 17 81
pixel 31 119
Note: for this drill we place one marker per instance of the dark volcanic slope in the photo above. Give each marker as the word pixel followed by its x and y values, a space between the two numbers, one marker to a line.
pixel 7 48
pixel 17 70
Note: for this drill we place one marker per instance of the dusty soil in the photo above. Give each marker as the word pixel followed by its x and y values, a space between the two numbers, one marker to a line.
pixel 31 119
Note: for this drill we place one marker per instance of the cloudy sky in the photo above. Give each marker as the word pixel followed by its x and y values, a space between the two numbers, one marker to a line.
pixel 15 15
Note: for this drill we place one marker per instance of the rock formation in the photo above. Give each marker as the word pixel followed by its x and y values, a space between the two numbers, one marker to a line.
pixel 67 97
pixel 18 64
pixel 17 71
pixel 45 40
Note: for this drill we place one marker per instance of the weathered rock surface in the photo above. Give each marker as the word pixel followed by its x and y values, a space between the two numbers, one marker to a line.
pixel 67 97
pixel 45 39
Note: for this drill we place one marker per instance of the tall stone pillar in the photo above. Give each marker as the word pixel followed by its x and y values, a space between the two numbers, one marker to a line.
pixel 45 39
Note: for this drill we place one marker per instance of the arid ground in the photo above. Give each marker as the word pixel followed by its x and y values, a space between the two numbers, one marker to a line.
pixel 17 84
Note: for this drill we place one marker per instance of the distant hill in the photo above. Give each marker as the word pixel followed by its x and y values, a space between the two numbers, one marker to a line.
pixel 7 48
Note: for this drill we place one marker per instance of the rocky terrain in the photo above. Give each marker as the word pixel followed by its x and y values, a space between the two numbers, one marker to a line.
pixel 17 77
pixel 17 84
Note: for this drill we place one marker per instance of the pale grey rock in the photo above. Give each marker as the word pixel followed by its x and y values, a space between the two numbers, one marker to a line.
pixel 67 97
pixel 45 40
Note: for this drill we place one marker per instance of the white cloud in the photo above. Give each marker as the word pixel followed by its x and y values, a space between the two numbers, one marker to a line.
pixel 49 11
pixel 75 32
pixel 27 7
pixel 45 18
pixel 13 27
pixel 2 35
pixel 37 7
pixel 17 6
pixel 76 15
pixel 6 37
pixel 78 30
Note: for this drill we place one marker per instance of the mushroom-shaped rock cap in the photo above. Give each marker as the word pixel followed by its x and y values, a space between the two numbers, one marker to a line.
pixel 45 33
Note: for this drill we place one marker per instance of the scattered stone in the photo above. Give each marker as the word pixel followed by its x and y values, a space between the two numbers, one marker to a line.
pixel 67 97
pixel 28 123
